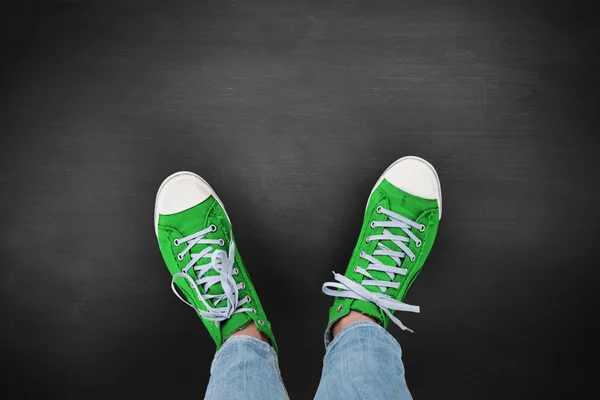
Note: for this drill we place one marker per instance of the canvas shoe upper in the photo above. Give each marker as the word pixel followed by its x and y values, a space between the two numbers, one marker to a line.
pixel 399 228
pixel 197 244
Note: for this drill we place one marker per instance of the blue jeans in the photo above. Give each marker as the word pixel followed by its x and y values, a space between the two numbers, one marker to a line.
pixel 363 362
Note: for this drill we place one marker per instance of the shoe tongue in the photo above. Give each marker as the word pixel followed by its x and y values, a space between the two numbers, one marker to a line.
pixel 192 221
pixel 234 324
pixel 406 205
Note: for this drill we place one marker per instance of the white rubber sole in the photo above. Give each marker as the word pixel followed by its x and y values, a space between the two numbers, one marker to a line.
pixel 176 175
pixel 439 186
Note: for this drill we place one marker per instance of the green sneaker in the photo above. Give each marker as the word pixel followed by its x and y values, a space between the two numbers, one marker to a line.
pixel 195 239
pixel 399 227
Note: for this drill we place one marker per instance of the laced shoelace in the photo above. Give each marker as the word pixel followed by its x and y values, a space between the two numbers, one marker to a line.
pixel 221 262
pixel 345 287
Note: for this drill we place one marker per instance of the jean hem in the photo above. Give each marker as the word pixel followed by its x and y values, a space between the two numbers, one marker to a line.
pixel 232 340
pixel 361 325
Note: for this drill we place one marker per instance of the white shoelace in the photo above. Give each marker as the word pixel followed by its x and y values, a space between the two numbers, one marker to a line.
pixel 220 261
pixel 345 287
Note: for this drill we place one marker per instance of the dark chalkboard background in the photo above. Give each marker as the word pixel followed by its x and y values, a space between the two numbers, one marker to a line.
pixel 292 110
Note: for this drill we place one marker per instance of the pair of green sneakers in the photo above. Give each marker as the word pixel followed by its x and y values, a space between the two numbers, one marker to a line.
pixel 196 241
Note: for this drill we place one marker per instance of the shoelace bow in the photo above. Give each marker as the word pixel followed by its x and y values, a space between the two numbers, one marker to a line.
pixel 345 287
pixel 221 262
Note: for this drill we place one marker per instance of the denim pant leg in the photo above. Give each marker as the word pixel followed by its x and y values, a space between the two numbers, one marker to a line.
pixel 363 362
pixel 245 368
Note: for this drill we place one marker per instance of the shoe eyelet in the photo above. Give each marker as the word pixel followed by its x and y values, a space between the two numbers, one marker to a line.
pixel 418 244
pixel 379 209
pixel 248 299
pixel 260 321
pixel 373 225
pixel 221 242
pixel 413 258
pixel 235 271
pixel 340 307
pixel 254 311
pixel 422 228
pixel 356 269
pixel 243 286
pixel 213 227
pixel 362 253
pixel 368 239
pixel 180 257
pixel 176 242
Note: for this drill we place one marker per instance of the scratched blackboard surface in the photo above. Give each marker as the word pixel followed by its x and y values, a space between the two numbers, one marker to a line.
pixel 292 110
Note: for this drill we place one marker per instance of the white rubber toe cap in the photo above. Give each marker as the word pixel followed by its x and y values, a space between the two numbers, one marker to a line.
pixel 415 176
pixel 179 192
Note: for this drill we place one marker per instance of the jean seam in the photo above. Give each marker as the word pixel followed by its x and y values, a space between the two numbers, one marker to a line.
pixel 275 365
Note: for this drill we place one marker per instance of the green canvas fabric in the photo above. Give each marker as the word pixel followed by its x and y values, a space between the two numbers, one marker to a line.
pixel 193 220
pixel 420 210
